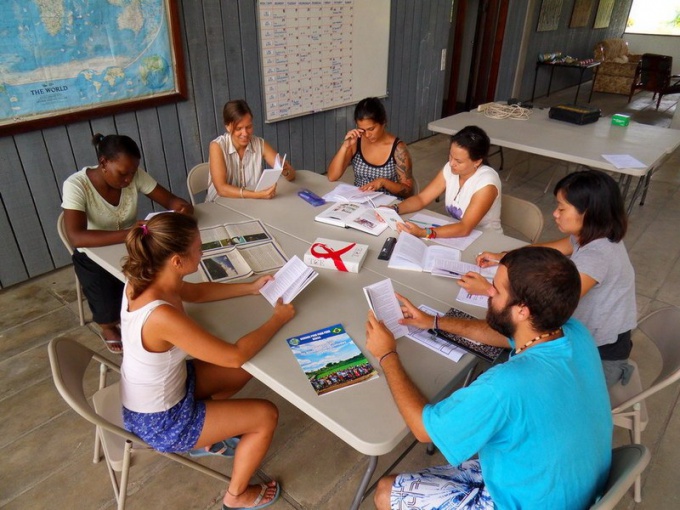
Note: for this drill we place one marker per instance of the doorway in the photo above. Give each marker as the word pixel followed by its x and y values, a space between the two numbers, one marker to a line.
pixel 478 31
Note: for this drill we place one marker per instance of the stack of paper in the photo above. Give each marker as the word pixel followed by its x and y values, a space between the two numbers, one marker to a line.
pixel 348 193
pixel 288 281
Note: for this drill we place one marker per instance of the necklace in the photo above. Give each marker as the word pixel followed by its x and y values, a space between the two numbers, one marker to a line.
pixel 539 337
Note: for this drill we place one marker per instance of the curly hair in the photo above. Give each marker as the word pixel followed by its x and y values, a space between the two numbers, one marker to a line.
pixel 150 246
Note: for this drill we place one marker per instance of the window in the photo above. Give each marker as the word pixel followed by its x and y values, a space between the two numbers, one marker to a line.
pixel 660 17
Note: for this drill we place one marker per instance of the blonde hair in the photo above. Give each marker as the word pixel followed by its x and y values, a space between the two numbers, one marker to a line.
pixel 150 246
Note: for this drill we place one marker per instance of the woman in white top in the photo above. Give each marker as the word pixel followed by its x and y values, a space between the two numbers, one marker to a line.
pixel 236 157
pixel 179 405
pixel 100 207
pixel 472 190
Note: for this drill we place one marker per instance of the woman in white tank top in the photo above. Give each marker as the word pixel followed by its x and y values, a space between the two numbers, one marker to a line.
pixel 179 405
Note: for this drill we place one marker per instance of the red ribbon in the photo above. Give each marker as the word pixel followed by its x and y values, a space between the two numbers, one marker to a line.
pixel 334 255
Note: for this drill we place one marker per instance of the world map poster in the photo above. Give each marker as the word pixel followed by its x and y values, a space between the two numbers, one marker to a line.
pixel 64 57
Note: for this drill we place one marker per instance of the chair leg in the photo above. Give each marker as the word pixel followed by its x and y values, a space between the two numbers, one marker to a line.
pixel 122 491
pixel 79 295
pixel 103 370
pixel 637 438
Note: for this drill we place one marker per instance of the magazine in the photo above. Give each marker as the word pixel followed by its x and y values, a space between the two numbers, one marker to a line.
pixel 487 352
pixel 230 234
pixel 242 261
pixel 330 359
pixel 351 215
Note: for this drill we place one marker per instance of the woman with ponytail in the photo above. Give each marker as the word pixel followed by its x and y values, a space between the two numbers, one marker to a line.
pixel 179 405
pixel 100 207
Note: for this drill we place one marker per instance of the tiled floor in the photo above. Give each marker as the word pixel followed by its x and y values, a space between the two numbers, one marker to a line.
pixel 46 448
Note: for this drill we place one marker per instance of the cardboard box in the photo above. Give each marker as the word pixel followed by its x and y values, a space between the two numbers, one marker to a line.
pixel 338 255
pixel 620 119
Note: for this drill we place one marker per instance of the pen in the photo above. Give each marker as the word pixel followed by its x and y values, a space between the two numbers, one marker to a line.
pixel 488 259
pixel 424 223
pixel 458 275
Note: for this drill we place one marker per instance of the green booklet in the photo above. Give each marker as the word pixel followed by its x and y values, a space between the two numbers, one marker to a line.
pixel 330 359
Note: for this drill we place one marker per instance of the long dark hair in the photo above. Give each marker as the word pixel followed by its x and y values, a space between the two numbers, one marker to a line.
pixel 597 196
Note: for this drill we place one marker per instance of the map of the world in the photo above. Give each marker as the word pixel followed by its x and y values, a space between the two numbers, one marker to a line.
pixel 69 54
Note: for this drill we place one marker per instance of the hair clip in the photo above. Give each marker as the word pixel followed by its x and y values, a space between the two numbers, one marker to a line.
pixel 145 229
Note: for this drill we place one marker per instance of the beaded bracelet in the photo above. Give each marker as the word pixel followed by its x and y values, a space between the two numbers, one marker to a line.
pixel 385 355
pixel 242 192
pixel 395 207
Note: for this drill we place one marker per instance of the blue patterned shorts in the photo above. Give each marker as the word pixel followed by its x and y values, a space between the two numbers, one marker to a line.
pixel 174 430
pixel 442 488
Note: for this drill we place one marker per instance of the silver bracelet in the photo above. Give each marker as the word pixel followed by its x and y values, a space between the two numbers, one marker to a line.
pixel 242 191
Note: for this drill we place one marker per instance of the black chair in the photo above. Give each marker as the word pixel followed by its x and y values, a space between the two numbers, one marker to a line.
pixel 654 74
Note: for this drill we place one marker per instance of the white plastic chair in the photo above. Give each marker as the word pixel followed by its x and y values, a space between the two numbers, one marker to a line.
pixel 67 244
pixel 628 462
pixel 522 216
pixel 629 411
pixel 197 180
pixel 69 361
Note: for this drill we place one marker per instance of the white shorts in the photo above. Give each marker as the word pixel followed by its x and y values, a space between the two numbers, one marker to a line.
pixel 442 488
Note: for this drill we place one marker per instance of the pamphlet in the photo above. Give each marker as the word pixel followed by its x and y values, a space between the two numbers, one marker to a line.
pixel 472 299
pixel 427 338
pixel 385 306
pixel 288 282
pixel 230 234
pixel 351 215
pixel 330 359
pixel 241 261
pixel 459 243
pixel 269 176
pixel 348 193
pixel 390 216
pixel 487 352
pixel 415 255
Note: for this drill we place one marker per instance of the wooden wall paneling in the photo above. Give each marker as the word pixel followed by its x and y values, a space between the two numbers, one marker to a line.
pixel 12 269
pixel 308 143
pixel 80 138
pixel 296 144
pixel 127 124
pixel 399 55
pixel 233 51
pixel 414 62
pixel 194 153
pixel 329 138
pixel 214 32
pixel 283 140
pixel 62 165
pixel 427 74
pixel 27 199
pixel 103 125
pixel 251 66
pixel 173 150
pixel 151 145
pixel 319 142
pixel 200 74
pixel 443 28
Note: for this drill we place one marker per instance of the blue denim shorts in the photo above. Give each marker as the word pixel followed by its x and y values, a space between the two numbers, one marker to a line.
pixel 174 430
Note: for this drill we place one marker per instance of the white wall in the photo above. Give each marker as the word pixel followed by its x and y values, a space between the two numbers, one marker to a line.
pixel 660 44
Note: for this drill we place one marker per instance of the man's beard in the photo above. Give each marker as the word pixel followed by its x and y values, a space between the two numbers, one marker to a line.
pixel 500 320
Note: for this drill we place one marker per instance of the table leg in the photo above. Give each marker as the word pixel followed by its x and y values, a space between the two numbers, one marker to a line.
pixel 533 91
pixel 370 469
pixel 552 71
pixel 580 80
pixel 590 97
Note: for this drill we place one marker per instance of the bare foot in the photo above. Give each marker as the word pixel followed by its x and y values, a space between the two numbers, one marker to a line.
pixel 110 334
pixel 253 496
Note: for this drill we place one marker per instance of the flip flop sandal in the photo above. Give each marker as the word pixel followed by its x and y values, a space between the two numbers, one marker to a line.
pixel 226 448
pixel 256 505
pixel 111 344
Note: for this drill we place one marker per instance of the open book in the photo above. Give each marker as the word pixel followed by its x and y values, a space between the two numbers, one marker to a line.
pixel 288 282
pixel 241 261
pixel 456 268
pixel 460 243
pixel 269 176
pixel 390 216
pixel 348 193
pixel 330 359
pixel 229 234
pixel 415 255
pixel 427 338
pixel 385 306
pixel 484 351
pixel 351 215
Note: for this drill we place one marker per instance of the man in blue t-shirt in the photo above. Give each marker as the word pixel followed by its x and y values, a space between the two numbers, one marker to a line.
pixel 540 423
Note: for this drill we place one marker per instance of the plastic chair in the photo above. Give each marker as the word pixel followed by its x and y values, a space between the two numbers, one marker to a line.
pixel 197 180
pixel 67 244
pixel 522 216
pixel 629 411
pixel 69 361
pixel 628 462
pixel 654 74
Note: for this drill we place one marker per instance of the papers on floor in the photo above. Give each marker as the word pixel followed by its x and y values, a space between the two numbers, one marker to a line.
pixel 415 255
pixel 348 193
pixel 427 338
pixel 330 359
pixel 623 161
pixel 472 299
pixel 351 215
pixel 460 243
pixel 288 281
pixel 269 176
pixel 385 306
